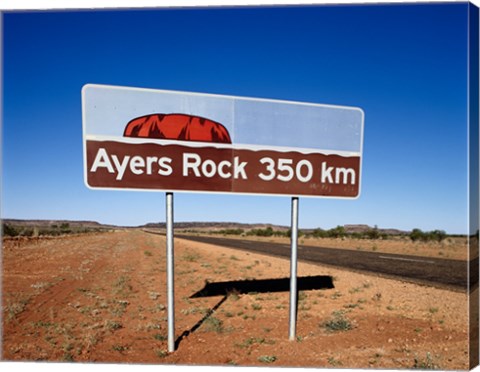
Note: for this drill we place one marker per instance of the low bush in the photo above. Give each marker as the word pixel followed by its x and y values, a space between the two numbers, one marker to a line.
pixel 338 323
pixel 427 236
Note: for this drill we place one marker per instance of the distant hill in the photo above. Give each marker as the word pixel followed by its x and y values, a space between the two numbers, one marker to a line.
pixel 203 226
pixel 350 229
pixel 50 223
pixel 213 226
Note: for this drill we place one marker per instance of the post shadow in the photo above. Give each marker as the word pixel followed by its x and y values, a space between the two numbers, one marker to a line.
pixel 200 322
pixel 225 289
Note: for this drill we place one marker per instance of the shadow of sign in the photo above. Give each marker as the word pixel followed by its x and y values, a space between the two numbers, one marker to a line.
pixel 224 289
pixel 307 283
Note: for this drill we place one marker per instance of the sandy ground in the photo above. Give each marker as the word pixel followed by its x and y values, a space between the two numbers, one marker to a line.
pixel 102 298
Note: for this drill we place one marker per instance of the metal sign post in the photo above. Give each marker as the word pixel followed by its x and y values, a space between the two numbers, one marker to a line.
pixel 293 271
pixel 170 269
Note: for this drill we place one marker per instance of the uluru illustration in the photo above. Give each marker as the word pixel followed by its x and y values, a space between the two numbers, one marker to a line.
pixel 180 127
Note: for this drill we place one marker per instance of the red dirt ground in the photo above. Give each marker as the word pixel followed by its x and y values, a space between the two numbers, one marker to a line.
pixel 101 298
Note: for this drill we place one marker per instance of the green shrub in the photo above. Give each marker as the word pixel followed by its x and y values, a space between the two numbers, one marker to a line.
pixel 426 236
pixel 267 358
pixel 213 324
pixel 230 232
pixel 426 363
pixel 160 337
pixel 261 232
pixel 338 324
pixel 113 325
pixel 9 230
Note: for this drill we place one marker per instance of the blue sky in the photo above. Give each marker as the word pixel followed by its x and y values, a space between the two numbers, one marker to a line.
pixel 404 65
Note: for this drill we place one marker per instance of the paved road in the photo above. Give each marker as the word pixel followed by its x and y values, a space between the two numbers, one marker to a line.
pixel 452 274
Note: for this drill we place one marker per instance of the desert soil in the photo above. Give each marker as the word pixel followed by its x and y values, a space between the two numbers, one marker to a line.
pixel 102 298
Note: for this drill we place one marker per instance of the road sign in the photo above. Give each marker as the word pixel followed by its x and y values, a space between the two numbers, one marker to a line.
pixel 142 139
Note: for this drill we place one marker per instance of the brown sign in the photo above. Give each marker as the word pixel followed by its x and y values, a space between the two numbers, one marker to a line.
pixel 140 139
pixel 114 164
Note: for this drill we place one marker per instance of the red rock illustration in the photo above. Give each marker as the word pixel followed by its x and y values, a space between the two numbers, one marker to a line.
pixel 177 127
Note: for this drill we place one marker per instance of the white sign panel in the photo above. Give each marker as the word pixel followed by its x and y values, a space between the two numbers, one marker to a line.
pixel 142 139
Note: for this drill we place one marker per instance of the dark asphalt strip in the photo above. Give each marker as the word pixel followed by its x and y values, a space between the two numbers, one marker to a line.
pixel 443 273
